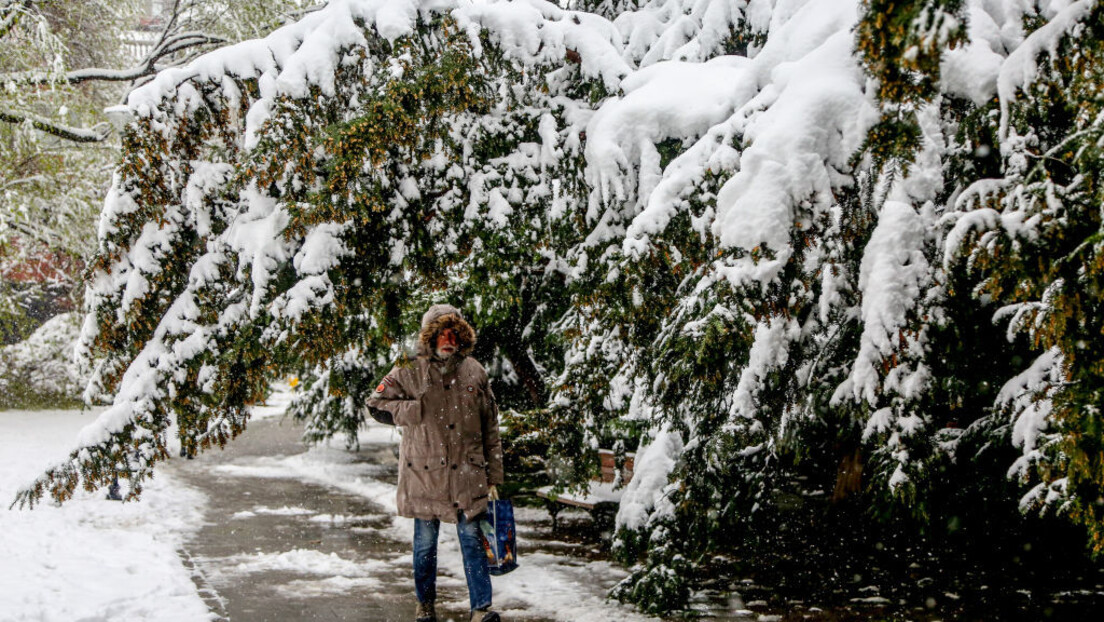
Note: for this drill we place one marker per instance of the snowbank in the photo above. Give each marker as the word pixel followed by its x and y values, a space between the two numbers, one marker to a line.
pixel 90 559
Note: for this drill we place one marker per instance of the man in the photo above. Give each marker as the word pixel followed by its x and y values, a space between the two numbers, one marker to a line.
pixel 450 459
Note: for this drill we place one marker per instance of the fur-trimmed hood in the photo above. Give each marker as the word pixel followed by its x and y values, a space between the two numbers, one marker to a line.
pixel 451 452
pixel 438 318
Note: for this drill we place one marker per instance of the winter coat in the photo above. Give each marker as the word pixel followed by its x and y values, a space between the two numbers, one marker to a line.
pixel 450 451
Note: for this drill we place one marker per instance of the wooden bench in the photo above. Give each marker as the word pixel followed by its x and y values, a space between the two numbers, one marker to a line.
pixel 600 499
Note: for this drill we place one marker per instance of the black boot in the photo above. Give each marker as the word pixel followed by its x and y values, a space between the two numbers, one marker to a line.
pixel 485 615
pixel 426 612
pixel 113 491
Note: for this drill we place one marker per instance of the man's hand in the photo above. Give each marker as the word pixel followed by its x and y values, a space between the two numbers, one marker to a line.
pixel 381 416
pixel 492 493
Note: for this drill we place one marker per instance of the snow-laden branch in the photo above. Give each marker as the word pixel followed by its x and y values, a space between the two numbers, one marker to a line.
pixel 97 133
pixel 176 43
pixel 33 179
pixel 1020 68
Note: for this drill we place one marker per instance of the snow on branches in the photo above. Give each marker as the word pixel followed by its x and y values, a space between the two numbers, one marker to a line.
pixel 731 233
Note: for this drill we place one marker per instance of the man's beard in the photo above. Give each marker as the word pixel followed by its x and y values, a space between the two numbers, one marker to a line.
pixel 444 356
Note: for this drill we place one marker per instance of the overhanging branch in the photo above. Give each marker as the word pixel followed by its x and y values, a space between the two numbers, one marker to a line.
pixel 171 45
pixel 75 134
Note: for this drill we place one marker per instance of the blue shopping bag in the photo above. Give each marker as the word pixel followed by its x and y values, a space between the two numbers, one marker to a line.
pixel 499 537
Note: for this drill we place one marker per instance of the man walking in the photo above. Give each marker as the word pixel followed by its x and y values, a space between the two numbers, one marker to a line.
pixel 450 459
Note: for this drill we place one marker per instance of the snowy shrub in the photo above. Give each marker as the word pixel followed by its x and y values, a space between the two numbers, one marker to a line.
pixel 663 582
pixel 41 371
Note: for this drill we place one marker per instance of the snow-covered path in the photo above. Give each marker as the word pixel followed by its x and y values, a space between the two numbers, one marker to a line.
pixel 266 530
pixel 279 548
pixel 311 533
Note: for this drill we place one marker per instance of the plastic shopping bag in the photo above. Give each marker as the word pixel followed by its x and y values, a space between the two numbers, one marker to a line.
pixel 499 537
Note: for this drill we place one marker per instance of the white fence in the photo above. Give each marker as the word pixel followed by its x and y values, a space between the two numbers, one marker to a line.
pixel 139 43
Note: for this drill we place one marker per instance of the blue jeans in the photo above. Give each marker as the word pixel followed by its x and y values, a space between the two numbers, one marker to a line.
pixel 475 561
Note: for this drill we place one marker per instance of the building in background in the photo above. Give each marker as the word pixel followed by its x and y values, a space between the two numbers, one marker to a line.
pixel 40 281
pixel 146 33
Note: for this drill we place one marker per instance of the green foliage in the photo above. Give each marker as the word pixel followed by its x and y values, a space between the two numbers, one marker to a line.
pixel 662 584
pixel 355 169
pixel 330 398
pixel 1035 276
pixel 1049 274
pixel 402 121
pixel 527 445
pixel 901 45
pixel 925 461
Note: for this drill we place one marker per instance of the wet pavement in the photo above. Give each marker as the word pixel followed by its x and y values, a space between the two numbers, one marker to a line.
pixel 254 518
pixel 278 548
pixel 297 535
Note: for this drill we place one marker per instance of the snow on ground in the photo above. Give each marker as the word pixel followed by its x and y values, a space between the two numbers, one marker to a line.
pixel 90 559
pixel 332 566
pixel 556 586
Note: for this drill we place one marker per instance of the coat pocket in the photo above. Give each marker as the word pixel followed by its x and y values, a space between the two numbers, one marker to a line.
pixel 427 477
pixel 475 476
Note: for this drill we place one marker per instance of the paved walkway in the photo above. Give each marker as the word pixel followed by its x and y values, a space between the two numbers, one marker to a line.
pixel 278 548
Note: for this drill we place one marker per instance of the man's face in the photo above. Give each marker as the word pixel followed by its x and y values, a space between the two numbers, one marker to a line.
pixel 446 343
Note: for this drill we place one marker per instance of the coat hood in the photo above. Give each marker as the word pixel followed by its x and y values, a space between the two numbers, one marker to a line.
pixel 440 317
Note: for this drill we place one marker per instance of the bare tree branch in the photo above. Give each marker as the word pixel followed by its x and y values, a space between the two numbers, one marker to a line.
pixel 30 233
pixel 97 134
pixel 177 47
pixel 33 179
pixel 298 14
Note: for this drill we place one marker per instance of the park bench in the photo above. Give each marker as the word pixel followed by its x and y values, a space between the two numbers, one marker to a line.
pixel 600 498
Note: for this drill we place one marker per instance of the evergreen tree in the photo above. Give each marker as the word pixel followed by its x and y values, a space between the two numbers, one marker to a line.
pixel 276 216
pixel 1032 239
pixel 61 65
pixel 767 247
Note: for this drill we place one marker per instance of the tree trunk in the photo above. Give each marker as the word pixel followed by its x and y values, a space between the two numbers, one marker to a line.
pixel 848 476
pixel 526 370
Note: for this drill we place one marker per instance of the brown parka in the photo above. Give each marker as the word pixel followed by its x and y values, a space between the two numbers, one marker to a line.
pixel 450 451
